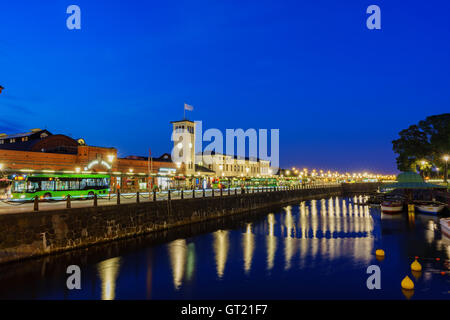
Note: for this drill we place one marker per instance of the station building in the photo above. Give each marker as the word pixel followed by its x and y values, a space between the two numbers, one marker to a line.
pixel 42 152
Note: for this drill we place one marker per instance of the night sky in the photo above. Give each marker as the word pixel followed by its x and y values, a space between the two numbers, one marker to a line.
pixel 338 92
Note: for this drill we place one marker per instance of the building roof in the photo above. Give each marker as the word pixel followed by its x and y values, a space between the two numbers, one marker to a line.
pixel 25 134
pixel 411 180
pixel 185 120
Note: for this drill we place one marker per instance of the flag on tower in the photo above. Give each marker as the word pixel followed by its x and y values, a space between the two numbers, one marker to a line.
pixel 188 107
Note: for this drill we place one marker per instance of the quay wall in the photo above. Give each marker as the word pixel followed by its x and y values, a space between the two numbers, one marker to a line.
pixel 32 234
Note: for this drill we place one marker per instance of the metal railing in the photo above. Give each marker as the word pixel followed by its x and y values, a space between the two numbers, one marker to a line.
pixel 166 195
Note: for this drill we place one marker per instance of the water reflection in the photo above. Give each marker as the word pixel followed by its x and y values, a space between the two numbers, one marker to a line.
pixel 312 235
pixel 248 246
pixel 108 270
pixel 177 255
pixel 221 245
pixel 271 241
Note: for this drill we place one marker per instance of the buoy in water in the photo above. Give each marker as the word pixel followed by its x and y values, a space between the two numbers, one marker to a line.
pixel 407 283
pixel 416 274
pixel 379 253
pixel 408 293
pixel 415 266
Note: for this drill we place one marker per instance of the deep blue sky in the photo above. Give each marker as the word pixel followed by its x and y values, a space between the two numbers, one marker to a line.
pixel 338 92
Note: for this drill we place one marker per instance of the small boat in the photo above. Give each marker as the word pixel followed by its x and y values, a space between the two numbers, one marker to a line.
pixel 445 226
pixel 430 207
pixel 392 206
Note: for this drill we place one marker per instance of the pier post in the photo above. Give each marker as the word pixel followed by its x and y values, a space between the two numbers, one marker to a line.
pixel 204 193
pixel 154 195
pixel 36 203
pixel 221 192
pixel 137 197
pixel 229 191
pixel 235 191
pixel 168 194
pixel 212 192
pixel 193 193
pixel 95 199
pixel 182 194
pixel 118 196
pixel 68 204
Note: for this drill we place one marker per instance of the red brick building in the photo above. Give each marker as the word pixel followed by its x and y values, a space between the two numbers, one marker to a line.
pixel 40 151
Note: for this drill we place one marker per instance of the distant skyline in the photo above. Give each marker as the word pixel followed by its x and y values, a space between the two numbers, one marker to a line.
pixel 338 92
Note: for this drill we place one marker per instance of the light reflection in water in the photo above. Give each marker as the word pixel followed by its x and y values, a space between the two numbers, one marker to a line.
pixel 221 245
pixel 248 245
pixel 289 241
pixel 177 255
pixel 108 270
pixel 271 241
pixel 323 228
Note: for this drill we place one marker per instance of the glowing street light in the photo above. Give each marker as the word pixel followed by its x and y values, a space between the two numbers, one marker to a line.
pixel 110 158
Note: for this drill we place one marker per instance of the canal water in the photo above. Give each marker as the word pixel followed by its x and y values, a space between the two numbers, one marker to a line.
pixel 318 249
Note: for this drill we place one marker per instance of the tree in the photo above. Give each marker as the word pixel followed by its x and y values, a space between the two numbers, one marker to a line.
pixel 427 141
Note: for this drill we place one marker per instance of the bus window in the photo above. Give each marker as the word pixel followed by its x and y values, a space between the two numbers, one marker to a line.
pixel 48 185
pixel 74 185
pixel 19 186
pixel 33 186
pixel 62 185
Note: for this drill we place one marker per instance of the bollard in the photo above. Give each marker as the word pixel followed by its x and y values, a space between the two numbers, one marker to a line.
pixel 221 192
pixel 182 194
pixel 235 191
pixel 118 196
pixel 193 193
pixel 242 190
pixel 229 191
pixel 154 195
pixel 212 192
pixel 36 203
pixel 68 204
pixel 168 195
pixel 204 192
pixel 95 199
pixel 137 197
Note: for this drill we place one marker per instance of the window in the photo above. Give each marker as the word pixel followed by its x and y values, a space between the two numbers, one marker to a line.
pixel 74 184
pixel 33 186
pixel 12 140
pixel 24 139
pixel 48 185
pixel 19 186
pixel 62 185
pixel 2 141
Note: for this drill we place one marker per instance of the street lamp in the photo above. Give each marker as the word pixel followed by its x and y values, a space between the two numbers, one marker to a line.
pixel 446 157
pixel 1 89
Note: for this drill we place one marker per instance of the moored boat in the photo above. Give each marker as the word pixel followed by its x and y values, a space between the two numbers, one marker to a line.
pixel 445 226
pixel 394 206
pixel 430 207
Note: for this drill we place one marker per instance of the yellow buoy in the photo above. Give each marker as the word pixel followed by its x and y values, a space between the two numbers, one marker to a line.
pixel 379 253
pixel 407 283
pixel 408 293
pixel 415 266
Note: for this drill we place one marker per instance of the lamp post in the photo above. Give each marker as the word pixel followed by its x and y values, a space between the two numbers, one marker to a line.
pixel 1 89
pixel 446 169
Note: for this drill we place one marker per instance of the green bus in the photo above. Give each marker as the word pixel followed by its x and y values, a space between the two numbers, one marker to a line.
pixel 58 186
